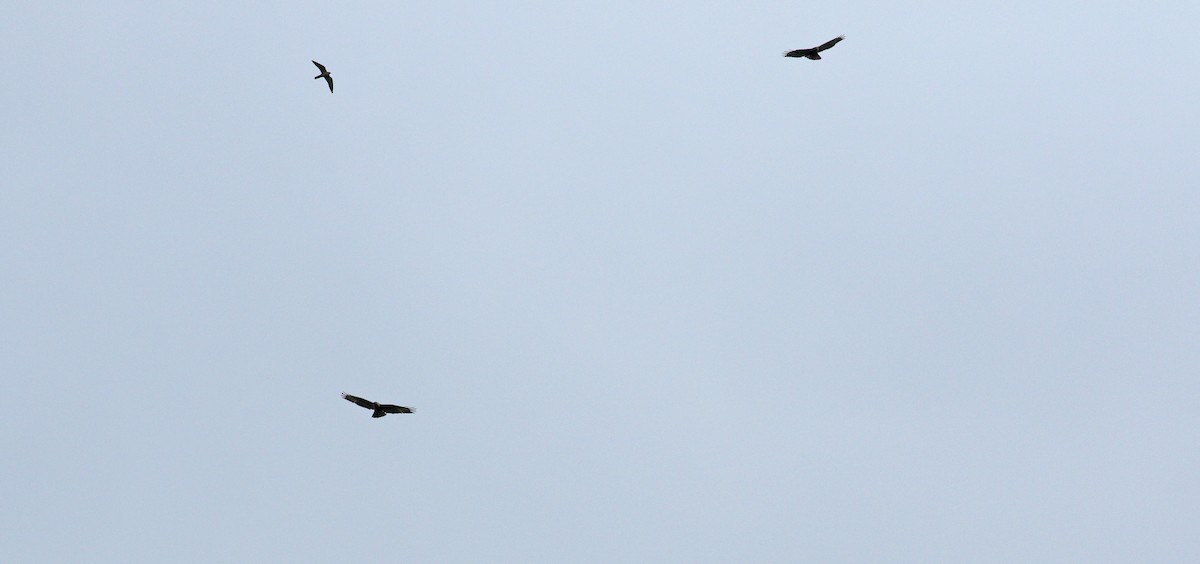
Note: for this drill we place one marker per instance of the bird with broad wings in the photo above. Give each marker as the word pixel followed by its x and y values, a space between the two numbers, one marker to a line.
pixel 815 52
pixel 379 409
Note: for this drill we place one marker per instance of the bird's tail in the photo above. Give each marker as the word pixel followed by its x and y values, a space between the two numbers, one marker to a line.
pixel 316 77
pixel 379 413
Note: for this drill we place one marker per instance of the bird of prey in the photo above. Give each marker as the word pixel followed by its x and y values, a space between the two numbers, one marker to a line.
pixel 814 53
pixel 380 409
pixel 329 78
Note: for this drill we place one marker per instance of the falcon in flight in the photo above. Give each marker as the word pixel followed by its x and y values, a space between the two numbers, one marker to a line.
pixel 813 53
pixel 380 409
pixel 329 78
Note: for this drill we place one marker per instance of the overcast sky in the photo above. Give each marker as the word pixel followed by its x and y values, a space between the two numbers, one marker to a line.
pixel 656 293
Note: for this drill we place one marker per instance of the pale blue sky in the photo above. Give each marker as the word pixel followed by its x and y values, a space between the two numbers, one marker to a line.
pixel 657 293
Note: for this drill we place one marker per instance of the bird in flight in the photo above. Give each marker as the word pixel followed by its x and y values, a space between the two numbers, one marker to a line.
pixel 329 78
pixel 380 409
pixel 813 53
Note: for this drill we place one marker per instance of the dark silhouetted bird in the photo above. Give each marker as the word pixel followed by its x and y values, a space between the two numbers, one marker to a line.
pixel 813 53
pixel 329 78
pixel 380 409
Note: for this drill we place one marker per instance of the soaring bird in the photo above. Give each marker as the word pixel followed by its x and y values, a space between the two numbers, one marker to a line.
pixel 813 53
pixel 329 78
pixel 380 409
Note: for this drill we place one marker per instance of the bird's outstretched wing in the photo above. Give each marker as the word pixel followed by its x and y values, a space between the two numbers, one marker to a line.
pixel 830 43
pixel 395 408
pixel 320 66
pixel 799 53
pixel 359 401
pixel 329 79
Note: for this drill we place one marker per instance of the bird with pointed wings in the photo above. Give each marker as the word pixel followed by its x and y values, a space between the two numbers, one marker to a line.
pixel 814 53
pixel 379 409
pixel 324 74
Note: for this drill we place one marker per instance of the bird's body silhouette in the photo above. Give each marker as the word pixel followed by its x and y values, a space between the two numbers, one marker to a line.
pixel 324 74
pixel 379 409
pixel 814 53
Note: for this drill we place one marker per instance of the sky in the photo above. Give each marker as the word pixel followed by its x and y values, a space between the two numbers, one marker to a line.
pixel 656 293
